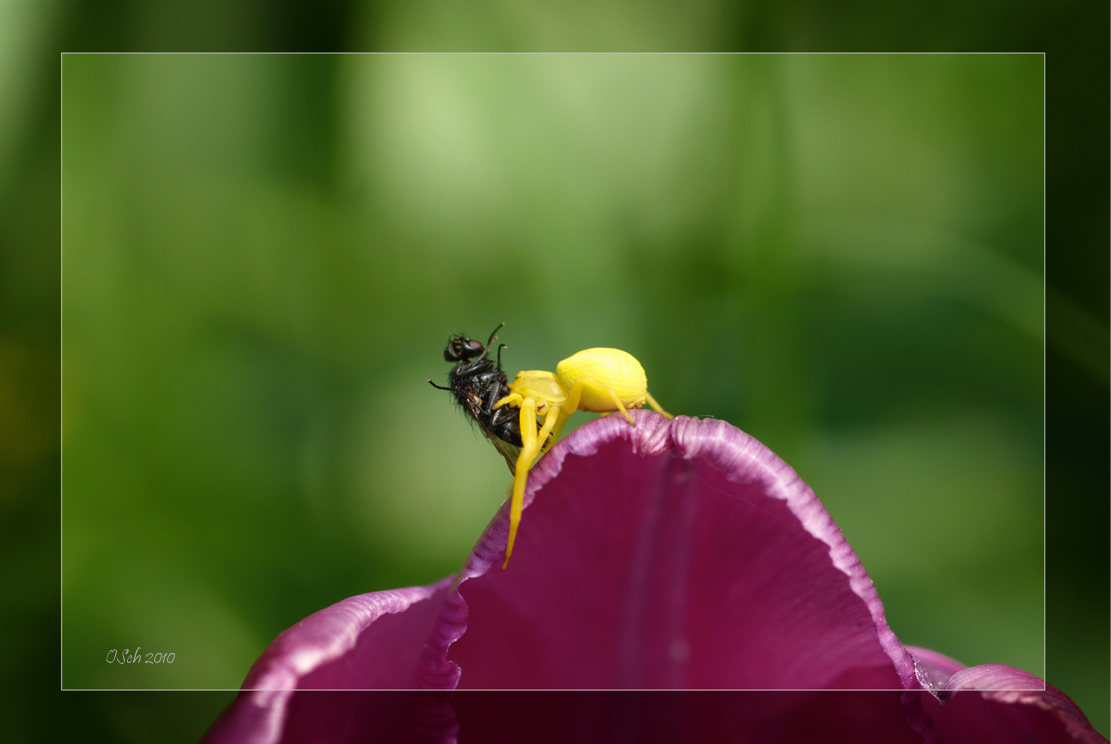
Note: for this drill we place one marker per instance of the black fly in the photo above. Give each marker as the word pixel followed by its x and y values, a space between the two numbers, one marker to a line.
pixel 478 382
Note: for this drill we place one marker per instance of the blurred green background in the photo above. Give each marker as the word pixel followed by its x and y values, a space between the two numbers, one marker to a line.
pixel 262 256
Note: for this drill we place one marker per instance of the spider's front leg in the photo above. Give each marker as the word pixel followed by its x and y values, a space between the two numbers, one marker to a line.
pixel 531 444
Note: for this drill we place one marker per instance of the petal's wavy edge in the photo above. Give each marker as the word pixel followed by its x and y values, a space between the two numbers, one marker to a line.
pixel 995 678
pixel 996 700
pixel 961 714
pixel 300 657
pixel 941 676
pixel 328 634
pixel 931 668
pixel 745 458
pixel 436 671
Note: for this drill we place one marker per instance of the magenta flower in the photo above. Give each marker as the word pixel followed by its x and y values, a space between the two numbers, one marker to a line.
pixel 676 554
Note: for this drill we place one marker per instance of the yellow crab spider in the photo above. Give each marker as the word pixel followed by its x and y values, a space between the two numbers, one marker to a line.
pixel 603 380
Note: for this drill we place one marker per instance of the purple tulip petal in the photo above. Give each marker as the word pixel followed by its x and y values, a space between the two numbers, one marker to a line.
pixel 382 640
pixel 998 703
pixel 931 668
pixel 672 554
pixel 991 703
pixel 368 641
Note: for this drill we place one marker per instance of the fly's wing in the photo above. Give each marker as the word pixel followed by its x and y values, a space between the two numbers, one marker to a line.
pixel 507 450
pixel 472 405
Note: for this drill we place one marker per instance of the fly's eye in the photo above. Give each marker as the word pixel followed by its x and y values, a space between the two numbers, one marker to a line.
pixel 462 348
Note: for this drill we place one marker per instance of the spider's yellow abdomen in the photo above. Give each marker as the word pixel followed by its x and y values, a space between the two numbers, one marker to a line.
pixel 607 371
